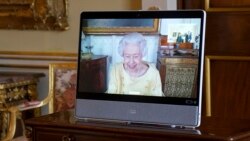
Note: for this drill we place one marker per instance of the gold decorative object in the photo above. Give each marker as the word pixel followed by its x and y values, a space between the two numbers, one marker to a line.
pixel 34 14
pixel 153 8
pixel 15 88
pixel 13 92
pixel 8 117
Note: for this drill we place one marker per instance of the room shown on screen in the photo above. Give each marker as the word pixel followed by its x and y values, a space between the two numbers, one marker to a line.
pixel 147 57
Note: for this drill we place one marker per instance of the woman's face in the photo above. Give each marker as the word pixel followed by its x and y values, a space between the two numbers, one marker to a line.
pixel 132 56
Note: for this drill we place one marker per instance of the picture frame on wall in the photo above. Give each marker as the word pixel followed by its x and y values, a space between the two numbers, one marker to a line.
pixel 120 26
pixel 34 14
pixel 62 78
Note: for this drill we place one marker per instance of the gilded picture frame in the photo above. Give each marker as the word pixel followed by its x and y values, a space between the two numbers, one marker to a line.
pixel 62 86
pixel 121 26
pixel 34 14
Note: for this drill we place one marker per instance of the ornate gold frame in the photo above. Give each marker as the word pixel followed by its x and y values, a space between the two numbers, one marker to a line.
pixel 34 14
pixel 208 75
pixel 124 29
pixel 220 9
pixel 52 69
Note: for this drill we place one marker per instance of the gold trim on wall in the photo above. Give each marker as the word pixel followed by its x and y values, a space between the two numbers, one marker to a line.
pixel 41 59
pixel 38 53
pixel 222 9
pixel 39 56
pixel 24 66
pixel 208 75
pixel 208 85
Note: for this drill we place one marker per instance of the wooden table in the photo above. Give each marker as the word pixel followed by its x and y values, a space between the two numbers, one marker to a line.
pixel 63 126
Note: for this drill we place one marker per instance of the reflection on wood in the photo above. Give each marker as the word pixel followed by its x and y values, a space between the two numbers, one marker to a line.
pixel 227 5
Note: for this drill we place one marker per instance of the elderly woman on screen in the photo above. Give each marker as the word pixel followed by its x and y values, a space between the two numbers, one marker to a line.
pixel 134 76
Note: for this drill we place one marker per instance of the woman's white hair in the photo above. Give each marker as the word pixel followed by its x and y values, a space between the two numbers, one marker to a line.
pixel 133 38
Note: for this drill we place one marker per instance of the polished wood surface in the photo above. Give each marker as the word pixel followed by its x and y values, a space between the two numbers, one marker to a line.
pixel 231 96
pixel 229 3
pixel 64 126
pixel 227 35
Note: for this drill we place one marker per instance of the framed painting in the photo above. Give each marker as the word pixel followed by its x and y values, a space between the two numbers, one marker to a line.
pixel 120 26
pixel 34 14
pixel 62 86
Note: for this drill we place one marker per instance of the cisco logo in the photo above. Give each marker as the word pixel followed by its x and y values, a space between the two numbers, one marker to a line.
pixel 132 111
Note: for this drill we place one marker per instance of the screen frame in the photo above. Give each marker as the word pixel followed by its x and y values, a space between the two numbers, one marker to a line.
pixel 147 14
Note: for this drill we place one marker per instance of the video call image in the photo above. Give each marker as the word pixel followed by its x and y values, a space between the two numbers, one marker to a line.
pixel 145 57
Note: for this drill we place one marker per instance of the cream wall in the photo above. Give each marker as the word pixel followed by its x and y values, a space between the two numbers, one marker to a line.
pixel 60 41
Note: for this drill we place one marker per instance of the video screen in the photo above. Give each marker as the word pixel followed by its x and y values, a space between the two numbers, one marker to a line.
pixel 143 57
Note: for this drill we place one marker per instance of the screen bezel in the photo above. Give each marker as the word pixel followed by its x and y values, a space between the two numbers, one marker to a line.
pixel 146 14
